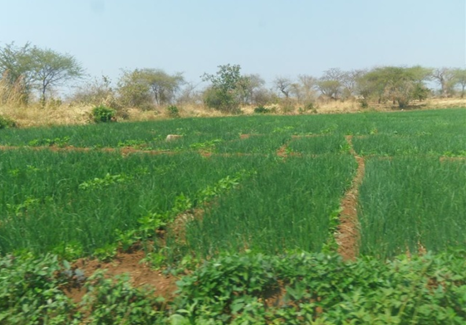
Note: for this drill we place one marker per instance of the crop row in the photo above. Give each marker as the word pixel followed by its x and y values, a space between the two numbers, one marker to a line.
pixel 72 200
pixel 410 204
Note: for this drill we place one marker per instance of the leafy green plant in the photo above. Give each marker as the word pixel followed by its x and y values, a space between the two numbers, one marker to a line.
pixel 114 301
pixel 106 253
pixel 103 114
pixel 59 142
pixel 322 289
pixel 30 291
pixel 106 181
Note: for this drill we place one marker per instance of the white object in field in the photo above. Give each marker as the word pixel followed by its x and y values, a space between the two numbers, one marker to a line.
pixel 172 137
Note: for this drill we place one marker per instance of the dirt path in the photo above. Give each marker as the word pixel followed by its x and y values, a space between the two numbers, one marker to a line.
pixel 348 231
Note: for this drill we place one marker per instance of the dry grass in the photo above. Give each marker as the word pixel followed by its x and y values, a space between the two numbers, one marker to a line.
pixel 38 116
pixel 65 114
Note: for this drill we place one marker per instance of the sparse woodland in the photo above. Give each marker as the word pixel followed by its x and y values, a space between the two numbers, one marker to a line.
pixel 31 79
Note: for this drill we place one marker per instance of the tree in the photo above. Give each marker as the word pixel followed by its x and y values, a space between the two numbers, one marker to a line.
pixel 145 88
pixel 398 84
pixel 252 88
pixel 226 89
pixel 134 91
pixel 162 85
pixel 308 85
pixel 460 79
pixel 331 83
pixel 446 79
pixel 349 82
pixel 16 67
pixel 50 69
pixel 283 85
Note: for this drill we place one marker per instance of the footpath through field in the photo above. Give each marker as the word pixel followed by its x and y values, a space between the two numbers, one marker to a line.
pixel 348 234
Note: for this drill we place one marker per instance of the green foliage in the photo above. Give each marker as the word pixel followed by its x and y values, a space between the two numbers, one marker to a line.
pixel 321 289
pixel 102 114
pixel 59 142
pixel 292 288
pixel 114 301
pixel 99 183
pixel 31 291
pixel 6 122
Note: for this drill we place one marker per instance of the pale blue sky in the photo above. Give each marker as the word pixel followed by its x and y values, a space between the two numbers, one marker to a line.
pixel 269 37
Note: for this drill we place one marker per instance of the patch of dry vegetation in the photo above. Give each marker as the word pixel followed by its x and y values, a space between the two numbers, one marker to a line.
pixel 72 114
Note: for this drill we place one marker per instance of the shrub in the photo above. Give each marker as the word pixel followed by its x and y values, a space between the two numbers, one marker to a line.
pixel 6 123
pixel 173 111
pixel 102 114
pixel 221 100
pixel 261 110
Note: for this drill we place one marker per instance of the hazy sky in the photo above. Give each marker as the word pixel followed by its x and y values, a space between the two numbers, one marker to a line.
pixel 268 37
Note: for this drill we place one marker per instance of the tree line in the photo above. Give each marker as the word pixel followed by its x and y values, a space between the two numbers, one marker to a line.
pixel 31 73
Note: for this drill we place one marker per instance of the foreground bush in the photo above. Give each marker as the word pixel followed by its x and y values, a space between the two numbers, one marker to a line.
pixel 102 114
pixel 320 289
pixel 246 289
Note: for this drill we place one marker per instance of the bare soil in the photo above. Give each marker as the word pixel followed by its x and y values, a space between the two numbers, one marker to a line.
pixel 348 231
pixel 140 274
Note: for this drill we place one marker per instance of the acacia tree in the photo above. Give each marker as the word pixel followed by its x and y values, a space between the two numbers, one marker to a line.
pixel 162 85
pixel 331 83
pixel 283 85
pixel 145 87
pixel 51 69
pixel 398 84
pixel 33 67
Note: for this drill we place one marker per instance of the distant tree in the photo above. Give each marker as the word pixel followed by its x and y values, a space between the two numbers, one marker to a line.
pixel 308 86
pixel 460 79
pixel 398 84
pixel 445 77
pixel 162 85
pixel 97 91
pixel 189 94
pixel 16 67
pixel 349 82
pixel 331 83
pixel 52 69
pixel 134 91
pixel 227 88
pixel 251 85
pixel 283 85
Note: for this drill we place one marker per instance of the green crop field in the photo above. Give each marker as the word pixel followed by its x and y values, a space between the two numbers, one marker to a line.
pixel 249 214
